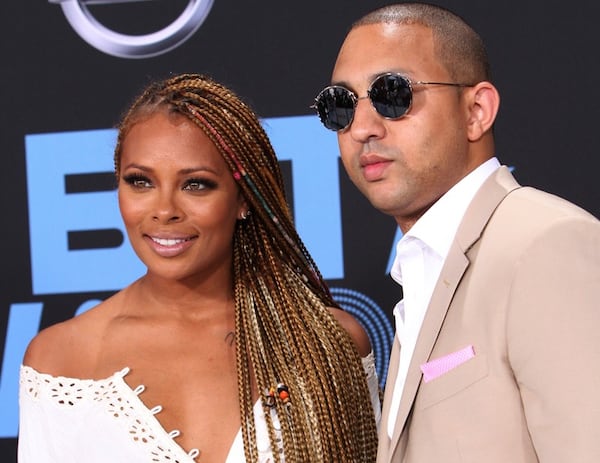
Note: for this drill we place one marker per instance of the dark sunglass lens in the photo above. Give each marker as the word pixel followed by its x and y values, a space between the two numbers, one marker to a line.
pixel 335 107
pixel 391 96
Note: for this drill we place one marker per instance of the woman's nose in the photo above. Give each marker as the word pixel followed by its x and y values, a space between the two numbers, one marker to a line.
pixel 167 208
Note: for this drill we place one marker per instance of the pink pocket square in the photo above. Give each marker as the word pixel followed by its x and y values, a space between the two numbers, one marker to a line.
pixel 439 366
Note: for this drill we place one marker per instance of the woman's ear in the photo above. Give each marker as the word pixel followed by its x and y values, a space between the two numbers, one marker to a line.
pixel 484 101
pixel 243 208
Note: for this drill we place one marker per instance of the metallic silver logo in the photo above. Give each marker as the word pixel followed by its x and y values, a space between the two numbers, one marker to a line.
pixel 133 46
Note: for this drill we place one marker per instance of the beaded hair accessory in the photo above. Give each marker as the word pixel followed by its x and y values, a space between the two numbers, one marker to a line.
pixel 281 391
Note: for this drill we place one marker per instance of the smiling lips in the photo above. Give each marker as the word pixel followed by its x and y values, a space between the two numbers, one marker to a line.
pixel 169 247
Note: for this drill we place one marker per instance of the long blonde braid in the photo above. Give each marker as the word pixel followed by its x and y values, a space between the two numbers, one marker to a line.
pixel 284 332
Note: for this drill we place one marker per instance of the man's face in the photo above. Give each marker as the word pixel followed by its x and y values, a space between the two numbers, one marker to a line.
pixel 402 166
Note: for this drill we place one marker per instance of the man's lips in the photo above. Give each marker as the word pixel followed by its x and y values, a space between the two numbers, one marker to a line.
pixel 373 166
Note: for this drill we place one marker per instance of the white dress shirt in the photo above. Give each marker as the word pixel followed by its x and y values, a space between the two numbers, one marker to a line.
pixel 420 255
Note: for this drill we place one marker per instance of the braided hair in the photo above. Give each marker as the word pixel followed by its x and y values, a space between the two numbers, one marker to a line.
pixel 284 333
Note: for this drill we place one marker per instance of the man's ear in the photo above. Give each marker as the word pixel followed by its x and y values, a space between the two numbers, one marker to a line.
pixel 484 101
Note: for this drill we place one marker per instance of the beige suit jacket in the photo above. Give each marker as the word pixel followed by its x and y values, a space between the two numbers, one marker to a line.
pixel 521 284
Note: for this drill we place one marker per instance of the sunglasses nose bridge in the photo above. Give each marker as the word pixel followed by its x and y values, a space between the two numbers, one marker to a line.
pixel 359 98
pixel 366 121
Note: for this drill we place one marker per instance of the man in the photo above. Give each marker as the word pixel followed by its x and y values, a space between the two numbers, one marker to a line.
pixel 497 356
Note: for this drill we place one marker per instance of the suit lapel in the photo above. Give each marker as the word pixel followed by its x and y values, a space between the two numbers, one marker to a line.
pixel 476 217
pixel 391 379
pixel 453 270
pixel 384 438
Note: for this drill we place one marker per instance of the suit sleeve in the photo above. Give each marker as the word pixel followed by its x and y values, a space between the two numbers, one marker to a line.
pixel 553 333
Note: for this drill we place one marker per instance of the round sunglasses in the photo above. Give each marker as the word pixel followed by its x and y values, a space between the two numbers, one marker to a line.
pixel 390 94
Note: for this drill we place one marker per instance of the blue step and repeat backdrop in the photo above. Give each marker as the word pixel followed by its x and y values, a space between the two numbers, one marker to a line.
pixel 71 66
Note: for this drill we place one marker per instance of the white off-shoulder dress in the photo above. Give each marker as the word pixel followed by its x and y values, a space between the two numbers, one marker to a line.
pixel 70 420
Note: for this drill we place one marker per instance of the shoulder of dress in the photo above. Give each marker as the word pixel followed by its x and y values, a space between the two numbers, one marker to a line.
pixel 64 390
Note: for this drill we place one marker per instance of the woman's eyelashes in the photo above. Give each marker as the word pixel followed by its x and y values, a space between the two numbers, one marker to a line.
pixel 199 184
pixel 138 181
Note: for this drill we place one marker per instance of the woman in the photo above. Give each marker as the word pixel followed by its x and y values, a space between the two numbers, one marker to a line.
pixel 230 347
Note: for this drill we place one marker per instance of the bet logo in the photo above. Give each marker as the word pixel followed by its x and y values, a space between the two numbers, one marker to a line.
pixel 133 46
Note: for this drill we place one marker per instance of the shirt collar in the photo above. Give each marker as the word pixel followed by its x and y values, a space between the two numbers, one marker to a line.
pixel 437 227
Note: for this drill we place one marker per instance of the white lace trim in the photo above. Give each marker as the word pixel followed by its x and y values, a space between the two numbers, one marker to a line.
pixel 118 400
pixel 121 402
pixel 368 364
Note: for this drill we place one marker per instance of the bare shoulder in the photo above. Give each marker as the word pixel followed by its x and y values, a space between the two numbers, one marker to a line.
pixel 59 349
pixel 354 329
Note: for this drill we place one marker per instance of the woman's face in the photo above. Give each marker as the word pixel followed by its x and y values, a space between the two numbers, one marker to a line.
pixel 178 199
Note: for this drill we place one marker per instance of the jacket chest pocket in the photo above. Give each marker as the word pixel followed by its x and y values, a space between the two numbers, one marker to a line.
pixel 452 382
